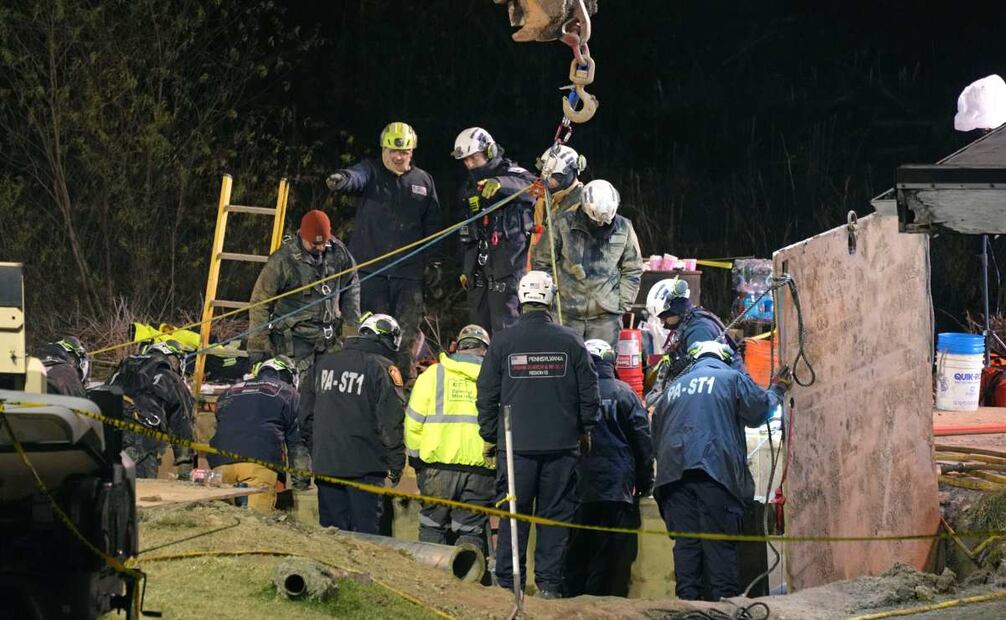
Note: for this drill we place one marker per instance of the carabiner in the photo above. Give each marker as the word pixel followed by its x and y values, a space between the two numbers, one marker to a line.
pixel 588 106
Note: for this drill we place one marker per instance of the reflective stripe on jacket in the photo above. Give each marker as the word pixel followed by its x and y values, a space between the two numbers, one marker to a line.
pixel 441 421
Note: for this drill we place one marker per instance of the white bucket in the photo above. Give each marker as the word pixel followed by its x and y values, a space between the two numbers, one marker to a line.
pixel 958 381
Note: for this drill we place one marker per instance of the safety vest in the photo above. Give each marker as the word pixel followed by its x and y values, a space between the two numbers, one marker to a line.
pixel 441 421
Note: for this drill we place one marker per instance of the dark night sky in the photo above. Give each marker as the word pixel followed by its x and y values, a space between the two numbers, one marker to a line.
pixel 736 127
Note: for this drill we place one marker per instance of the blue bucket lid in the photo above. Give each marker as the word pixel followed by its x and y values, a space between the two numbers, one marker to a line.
pixel 961 344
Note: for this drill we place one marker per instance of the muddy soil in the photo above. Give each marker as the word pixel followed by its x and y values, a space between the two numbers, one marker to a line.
pixel 233 583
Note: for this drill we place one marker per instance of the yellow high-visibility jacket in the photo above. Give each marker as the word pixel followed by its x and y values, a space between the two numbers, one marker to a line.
pixel 441 421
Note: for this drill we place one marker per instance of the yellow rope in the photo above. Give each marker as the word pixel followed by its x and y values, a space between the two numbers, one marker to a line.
pixel 357 267
pixel 551 250
pixel 911 611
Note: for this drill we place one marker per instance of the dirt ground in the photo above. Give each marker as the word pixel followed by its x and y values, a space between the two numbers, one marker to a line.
pixel 383 583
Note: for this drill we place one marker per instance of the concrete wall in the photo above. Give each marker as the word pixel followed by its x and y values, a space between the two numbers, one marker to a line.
pixel 862 433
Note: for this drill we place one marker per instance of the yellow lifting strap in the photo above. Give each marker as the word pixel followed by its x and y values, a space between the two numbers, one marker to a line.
pixel 218 255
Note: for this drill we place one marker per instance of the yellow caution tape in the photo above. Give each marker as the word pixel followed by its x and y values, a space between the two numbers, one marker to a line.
pixel 67 522
pixel 490 511
pixel 719 264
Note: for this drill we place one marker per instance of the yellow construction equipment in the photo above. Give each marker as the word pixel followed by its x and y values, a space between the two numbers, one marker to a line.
pixel 218 255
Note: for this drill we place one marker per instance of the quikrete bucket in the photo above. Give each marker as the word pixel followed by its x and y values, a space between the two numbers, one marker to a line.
pixel 629 359
pixel 959 362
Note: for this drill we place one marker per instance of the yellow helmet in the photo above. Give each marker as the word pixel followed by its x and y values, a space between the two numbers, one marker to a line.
pixel 398 136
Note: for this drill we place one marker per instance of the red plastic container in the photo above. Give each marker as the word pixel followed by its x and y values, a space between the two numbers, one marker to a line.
pixel 629 359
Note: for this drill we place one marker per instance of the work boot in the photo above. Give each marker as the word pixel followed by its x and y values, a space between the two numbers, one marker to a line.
pixel 548 594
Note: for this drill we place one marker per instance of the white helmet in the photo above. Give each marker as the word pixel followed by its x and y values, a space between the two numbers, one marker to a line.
pixel 384 327
pixel 536 287
pixel 474 140
pixel 561 159
pixel 600 349
pixel 600 201
pixel 710 347
pixel 659 292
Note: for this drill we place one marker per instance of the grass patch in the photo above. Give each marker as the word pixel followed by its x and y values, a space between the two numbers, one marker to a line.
pixel 354 600
pixel 221 587
pixel 989 514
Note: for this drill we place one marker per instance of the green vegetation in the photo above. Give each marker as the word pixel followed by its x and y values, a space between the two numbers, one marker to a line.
pixel 222 587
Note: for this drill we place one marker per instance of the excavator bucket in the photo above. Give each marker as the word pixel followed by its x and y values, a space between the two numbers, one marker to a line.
pixel 542 20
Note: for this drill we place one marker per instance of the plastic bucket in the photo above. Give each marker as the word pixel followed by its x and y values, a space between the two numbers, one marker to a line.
pixel 758 360
pixel 959 364
pixel 629 359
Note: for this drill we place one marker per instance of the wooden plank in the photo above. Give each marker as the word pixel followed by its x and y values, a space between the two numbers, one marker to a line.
pixel 150 492
pixel 862 435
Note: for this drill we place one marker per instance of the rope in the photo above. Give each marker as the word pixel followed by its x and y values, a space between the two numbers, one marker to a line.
pixel 425 241
pixel 490 511
pixel 911 611
pixel 135 576
pixel 551 250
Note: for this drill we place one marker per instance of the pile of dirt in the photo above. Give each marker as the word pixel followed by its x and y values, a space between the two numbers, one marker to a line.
pixel 902 585
pixel 217 561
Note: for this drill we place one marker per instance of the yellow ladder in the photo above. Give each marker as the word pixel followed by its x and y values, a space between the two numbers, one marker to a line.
pixel 218 255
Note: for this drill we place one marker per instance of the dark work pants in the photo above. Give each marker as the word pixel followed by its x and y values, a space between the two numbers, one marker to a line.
pixel 449 526
pixel 599 563
pixel 702 568
pixel 350 509
pixel 402 299
pixel 546 487
pixel 491 307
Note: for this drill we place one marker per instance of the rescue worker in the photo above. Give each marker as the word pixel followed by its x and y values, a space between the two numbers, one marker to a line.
pixel 544 373
pixel 703 483
pixel 66 367
pixel 398 205
pixel 157 397
pixel 444 447
pixel 617 472
pixel 688 324
pixel 560 165
pixel 258 419
pixel 598 263
pixel 317 314
pixel 495 246
pixel 354 429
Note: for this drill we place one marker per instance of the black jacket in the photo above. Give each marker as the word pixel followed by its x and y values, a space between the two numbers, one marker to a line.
pixel 257 419
pixel 392 211
pixel 621 453
pixel 61 375
pixel 699 421
pixel 157 397
pixel 504 237
pixel 544 372
pixel 354 428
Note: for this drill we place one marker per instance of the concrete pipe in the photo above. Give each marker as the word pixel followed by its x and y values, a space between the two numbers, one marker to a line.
pixel 466 562
pixel 297 578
